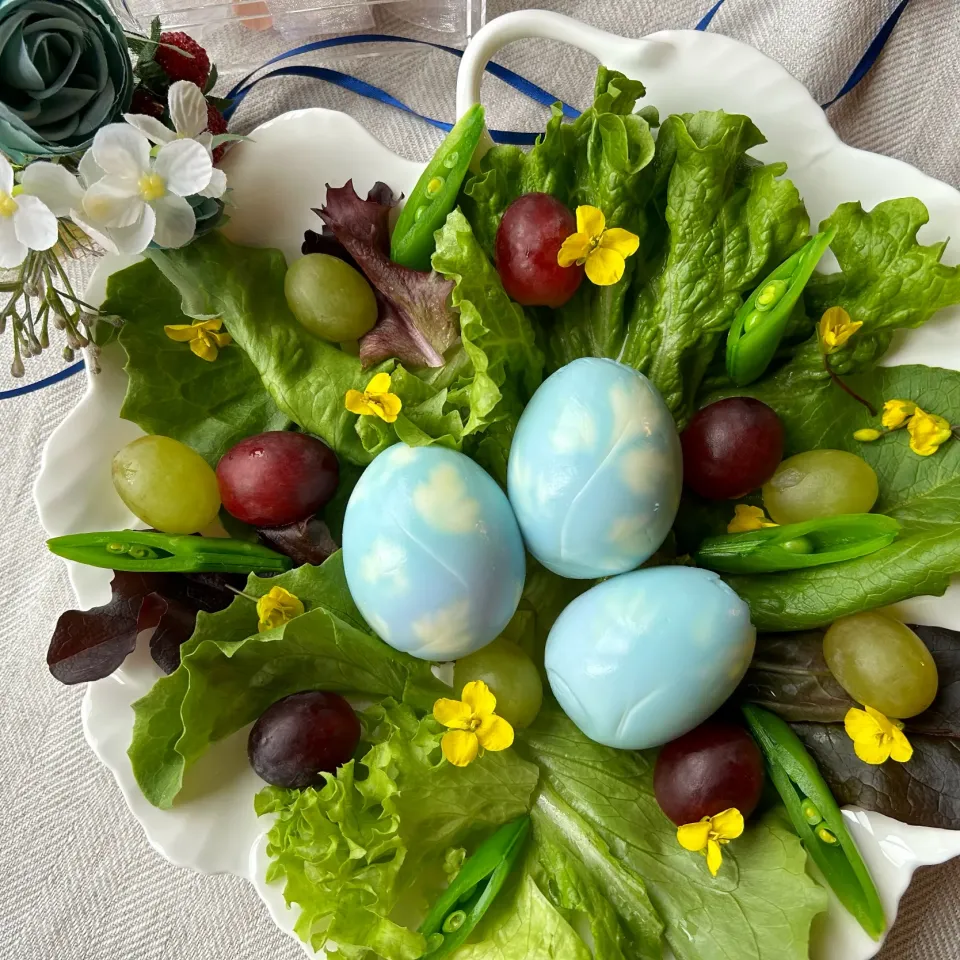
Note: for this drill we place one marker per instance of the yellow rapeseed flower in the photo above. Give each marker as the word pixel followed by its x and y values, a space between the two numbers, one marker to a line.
pixel 203 336
pixel 276 608
pixel 927 431
pixel 836 328
pixel 708 834
pixel 603 251
pixel 474 725
pixel 876 738
pixel 376 400
pixel 896 413
pixel 746 519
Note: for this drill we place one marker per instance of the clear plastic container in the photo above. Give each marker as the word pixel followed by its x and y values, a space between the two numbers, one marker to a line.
pixel 301 20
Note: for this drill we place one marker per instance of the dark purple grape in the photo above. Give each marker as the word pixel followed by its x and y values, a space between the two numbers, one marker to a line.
pixel 529 237
pixel 710 769
pixel 301 737
pixel 277 478
pixel 731 447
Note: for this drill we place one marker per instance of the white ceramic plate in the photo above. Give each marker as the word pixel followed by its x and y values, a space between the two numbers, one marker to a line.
pixel 212 828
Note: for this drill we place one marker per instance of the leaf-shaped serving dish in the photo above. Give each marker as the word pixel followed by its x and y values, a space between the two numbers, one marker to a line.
pixel 276 179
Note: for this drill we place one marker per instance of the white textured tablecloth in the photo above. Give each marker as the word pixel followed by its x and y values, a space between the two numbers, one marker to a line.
pixel 78 880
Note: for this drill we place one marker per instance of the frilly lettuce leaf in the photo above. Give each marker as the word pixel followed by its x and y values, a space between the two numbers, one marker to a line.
pixel 229 673
pixel 208 406
pixel 348 850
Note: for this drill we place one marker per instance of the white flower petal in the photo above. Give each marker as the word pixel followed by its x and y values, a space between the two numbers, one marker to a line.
pixel 113 202
pixel 99 236
pixel 136 238
pixel 59 189
pixel 176 220
pixel 12 251
pixel 205 140
pixel 185 167
pixel 121 150
pixel 6 176
pixel 217 186
pixel 34 223
pixel 90 171
pixel 188 108
pixel 150 127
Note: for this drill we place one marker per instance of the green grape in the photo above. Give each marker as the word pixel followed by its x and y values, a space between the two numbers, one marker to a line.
pixel 511 676
pixel 330 298
pixel 881 662
pixel 820 483
pixel 166 485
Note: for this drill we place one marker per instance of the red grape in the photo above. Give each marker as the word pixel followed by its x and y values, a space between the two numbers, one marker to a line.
pixel 731 447
pixel 529 237
pixel 277 478
pixel 710 769
pixel 301 737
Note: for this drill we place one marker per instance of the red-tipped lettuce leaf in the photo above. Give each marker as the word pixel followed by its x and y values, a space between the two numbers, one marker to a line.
pixel 416 323
pixel 308 541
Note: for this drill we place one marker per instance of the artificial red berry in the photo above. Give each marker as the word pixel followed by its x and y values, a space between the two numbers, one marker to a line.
pixel 146 103
pixel 216 123
pixel 182 58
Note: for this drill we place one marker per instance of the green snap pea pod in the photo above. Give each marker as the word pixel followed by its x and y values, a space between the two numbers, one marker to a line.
pixel 760 323
pixel 142 551
pixel 463 904
pixel 796 546
pixel 435 194
pixel 817 818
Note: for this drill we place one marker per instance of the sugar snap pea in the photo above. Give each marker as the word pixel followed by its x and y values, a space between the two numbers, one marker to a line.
pixel 760 323
pixel 795 546
pixel 142 551
pixel 462 905
pixel 817 818
pixel 435 194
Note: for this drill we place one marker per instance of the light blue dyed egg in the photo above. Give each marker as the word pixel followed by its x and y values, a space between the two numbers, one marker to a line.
pixel 595 470
pixel 432 552
pixel 640 659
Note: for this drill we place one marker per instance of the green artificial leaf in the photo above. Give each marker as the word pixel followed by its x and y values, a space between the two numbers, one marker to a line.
pixel 208 406
pixel 760 905
pixel 229 674
pixel 924 791
pixel 923 493
pixel 729 221
pixel 506 366
pixel 307 377
pixel 383 826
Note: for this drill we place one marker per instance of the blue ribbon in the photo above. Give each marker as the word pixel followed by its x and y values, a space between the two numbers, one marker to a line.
pixel 527 87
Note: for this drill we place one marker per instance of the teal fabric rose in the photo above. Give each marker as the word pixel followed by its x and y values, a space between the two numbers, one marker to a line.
pixel 64 72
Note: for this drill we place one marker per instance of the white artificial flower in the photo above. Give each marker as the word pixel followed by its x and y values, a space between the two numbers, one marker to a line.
pixel 26 223
pixel 142 195
pixel 188 111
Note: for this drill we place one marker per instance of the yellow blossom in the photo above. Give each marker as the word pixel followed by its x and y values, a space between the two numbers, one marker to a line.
pixel 474 726
pixel 876 738
pixel 927 431
pixel 836 328
pixel 603 251
pixel 708 834
pixel 896 413
pixel 376 400
pixel 202 335
pixel 277 607
pixel 746 519
pixel 867 435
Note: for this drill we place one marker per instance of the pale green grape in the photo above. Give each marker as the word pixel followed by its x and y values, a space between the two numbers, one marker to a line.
pixel 820 483
pixel 166 484
pixel 881 662
pixel 330 298
pixel 511 676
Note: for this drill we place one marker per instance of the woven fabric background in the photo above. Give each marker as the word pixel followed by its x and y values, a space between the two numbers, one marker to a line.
pixel 78 881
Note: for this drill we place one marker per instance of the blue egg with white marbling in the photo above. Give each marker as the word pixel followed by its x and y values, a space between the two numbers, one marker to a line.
pixel 595 470
pixel 643 658
pixel 432 553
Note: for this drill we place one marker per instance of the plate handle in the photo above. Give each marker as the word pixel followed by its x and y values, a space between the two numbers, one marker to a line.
pixel 528 24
